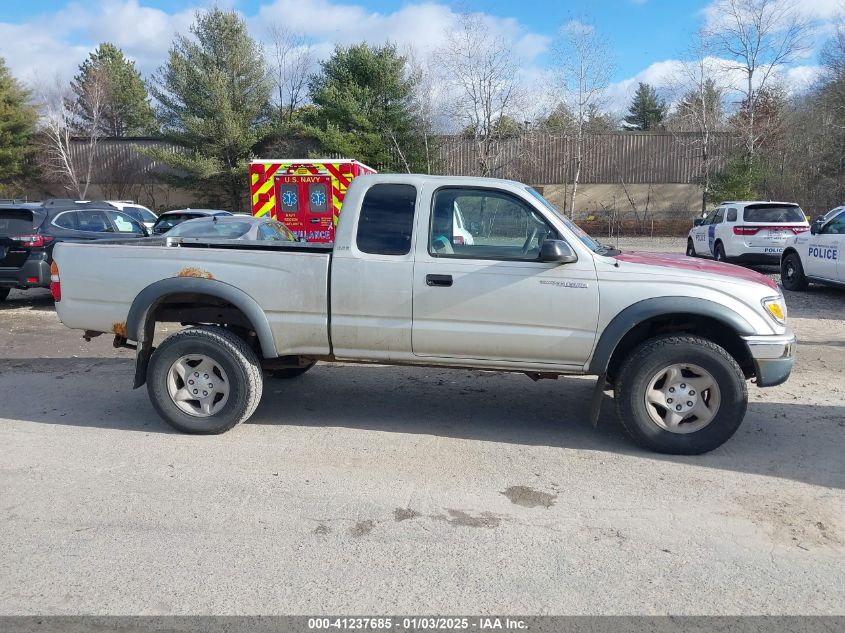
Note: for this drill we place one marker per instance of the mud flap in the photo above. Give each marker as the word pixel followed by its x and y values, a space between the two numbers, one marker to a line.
pixel 598 398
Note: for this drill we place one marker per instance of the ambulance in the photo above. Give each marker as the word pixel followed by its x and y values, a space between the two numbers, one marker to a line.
pixel 303 194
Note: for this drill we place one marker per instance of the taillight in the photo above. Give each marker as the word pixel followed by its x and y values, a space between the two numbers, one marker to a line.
pixel 753 230
pixel 34 241
pixel 458 239
pixel 55 282
pixel 746 230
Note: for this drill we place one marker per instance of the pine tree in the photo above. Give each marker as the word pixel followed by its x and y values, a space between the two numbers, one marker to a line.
pixel 125 110
pixel 647 111
pixel 213 101
pixel 17 123
pixel 364 108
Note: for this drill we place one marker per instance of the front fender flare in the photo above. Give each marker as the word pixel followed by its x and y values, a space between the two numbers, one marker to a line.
pixel 646 309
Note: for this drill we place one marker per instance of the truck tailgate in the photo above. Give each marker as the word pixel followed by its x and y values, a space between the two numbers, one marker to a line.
pixel 101 280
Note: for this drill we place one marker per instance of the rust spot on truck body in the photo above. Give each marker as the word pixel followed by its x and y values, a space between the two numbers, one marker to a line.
pixel 119 328
pixel 192 271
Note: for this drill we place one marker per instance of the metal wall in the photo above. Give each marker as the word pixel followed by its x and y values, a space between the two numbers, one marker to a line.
pixel 534 158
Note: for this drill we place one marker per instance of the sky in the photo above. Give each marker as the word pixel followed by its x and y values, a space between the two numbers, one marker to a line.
pixel 48 39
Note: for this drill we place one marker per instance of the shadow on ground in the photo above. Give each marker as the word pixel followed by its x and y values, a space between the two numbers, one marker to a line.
pixel 796 441
pixel 36 299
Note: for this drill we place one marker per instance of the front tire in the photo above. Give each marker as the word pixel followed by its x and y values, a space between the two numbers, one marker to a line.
pixel 792 273
pixel 719 253
pixel 690 249
pixel 682 395
pixel 204 380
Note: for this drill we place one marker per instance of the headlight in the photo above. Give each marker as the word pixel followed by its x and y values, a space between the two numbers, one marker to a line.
pixel 776 307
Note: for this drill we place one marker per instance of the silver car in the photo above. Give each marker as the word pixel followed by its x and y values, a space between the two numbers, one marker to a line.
pixel 233 227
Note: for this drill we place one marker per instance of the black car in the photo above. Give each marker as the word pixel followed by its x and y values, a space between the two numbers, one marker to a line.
pixel 29 231
pixel 169 219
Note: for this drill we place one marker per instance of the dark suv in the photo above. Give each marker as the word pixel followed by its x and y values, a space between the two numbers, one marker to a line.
pixel 29 231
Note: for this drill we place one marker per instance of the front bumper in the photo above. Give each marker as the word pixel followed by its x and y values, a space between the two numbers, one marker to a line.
pixel 773 357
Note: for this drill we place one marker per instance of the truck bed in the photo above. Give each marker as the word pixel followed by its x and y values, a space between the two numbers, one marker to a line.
pixel 289 281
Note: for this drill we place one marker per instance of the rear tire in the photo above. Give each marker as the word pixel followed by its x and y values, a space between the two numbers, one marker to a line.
pixel 290 372
pixel 792 273
pixel 719 253
pixel 4 292
pixel 724 395
pixel 690 249
pixel 227 372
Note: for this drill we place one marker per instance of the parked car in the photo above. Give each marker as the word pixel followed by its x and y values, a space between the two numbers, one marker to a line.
pixel 746 232
pixel 169 219
pixel 235 227
pixel 818 256
pixel 675 339
pixel 29 232
pixel 141 213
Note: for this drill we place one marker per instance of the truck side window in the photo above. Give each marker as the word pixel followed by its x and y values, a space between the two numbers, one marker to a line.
pixel 387 219
pixel 505 226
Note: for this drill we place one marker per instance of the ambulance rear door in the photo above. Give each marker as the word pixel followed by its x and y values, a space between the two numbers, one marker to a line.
pixel 304 205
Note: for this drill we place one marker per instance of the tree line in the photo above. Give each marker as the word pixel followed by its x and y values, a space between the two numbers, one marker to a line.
pixel 223 99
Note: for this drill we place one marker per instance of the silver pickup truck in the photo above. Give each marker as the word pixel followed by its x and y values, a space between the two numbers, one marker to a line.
pixel 675 338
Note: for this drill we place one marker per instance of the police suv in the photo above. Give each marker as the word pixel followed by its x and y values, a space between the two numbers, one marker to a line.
pixel 746 232
pixel 816 256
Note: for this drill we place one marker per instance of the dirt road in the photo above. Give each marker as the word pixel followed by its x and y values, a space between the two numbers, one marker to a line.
pixel 387 490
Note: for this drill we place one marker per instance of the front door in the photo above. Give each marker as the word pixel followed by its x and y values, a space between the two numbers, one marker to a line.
pixel 825 250
pixel 304 205
pixel 492 299
pixel 699 235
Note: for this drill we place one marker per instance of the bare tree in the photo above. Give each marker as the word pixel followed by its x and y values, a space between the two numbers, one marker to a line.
pixel 293 59
pixel 700 87
pixel 585 70
pixel 68 160
pixel 758 36
pixel 480 70
pixel 425 96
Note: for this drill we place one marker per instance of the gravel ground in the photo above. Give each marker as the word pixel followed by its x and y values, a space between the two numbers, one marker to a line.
pixel 386 490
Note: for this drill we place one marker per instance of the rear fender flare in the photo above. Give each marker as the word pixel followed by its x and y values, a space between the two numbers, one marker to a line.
pixel 139 325
pixel 647 309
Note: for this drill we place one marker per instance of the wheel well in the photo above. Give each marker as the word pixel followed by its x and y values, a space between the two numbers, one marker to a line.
pixel 694 324
pixel 788 251
pixel 192 308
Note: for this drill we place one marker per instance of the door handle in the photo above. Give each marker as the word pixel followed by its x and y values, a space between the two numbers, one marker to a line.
pixel 438 280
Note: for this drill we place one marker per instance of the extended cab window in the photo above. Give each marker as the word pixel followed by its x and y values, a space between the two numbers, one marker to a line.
pixel 485 224
pixel 387 219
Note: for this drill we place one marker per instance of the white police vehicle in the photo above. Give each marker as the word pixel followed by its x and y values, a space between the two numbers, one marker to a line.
pixel 752 232
pixel 817 256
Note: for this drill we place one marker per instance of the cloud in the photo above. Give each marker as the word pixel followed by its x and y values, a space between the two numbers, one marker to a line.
pixel 672 77
pixel 51 45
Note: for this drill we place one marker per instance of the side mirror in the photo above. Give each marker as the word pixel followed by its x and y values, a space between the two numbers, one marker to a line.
pixel 814 228
pixel 698 222
pixel 557 251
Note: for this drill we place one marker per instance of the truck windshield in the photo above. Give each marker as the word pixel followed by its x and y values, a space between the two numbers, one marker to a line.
pixel 588 241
